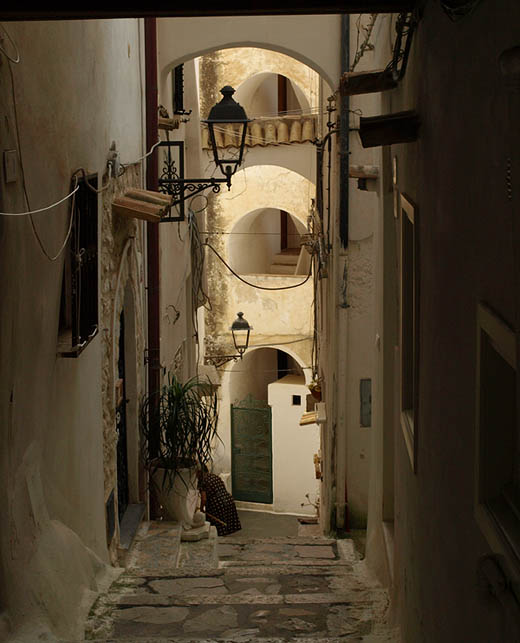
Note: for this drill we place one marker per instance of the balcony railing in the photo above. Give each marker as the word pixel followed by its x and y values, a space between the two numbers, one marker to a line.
pixel 263 131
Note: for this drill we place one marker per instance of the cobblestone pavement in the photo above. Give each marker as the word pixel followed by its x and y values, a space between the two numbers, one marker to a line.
pixel 239 590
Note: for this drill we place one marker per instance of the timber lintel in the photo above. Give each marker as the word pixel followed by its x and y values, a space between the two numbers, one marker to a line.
pixel 366 82
pixel 142 204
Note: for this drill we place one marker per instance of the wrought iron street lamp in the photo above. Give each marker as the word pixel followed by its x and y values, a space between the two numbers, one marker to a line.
pixel 226 116
pixel 240 329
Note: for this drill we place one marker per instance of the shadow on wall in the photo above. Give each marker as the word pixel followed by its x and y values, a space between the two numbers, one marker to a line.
pixel 266 241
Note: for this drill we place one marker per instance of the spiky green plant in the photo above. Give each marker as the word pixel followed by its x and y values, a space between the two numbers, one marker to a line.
pixel 178 425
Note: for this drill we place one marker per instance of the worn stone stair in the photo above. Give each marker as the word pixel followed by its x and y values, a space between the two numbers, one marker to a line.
pixel 269 589
pixel 285 262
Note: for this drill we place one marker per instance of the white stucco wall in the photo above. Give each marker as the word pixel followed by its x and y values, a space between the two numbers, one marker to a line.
pixel 196 36
pixel 293 448
pixel 77 88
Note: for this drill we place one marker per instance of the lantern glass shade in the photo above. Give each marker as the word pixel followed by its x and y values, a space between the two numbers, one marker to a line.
pixel 240 329
pixel 228 119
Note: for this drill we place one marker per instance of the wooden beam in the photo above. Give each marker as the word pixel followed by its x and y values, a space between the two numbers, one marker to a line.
pixel 363 172
pixel 168 124
pixel 366 82
pixel 142 204
pixel 389 129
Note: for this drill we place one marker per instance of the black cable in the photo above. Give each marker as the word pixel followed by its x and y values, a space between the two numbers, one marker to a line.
pixel 255 285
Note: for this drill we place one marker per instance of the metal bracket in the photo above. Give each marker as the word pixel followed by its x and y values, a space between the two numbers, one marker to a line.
pixel 220 360
pixel 151 356
pixel 180 189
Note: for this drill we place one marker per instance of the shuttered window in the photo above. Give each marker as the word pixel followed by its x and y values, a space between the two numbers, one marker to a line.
pixel 79 295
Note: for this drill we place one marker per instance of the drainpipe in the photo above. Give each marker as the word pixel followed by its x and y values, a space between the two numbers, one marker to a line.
pixel 342 521
pixel 152 229
pixel 344 123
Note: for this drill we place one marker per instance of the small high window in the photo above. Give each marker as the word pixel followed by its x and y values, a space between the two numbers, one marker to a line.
pixel 78 323
pixel 297 400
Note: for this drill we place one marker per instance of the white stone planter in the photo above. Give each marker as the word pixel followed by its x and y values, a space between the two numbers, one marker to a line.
pixel 181 500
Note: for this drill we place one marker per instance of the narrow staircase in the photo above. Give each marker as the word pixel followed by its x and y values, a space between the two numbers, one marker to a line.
pixel 237 589
pixel 285 262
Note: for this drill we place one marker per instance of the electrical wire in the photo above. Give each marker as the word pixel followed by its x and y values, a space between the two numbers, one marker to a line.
pixel 141 158
pixel 292 341
pixel 83 172
pixel 276 234
pixel 255 285
pixel 13 60
pixel 49 207
pixel 30 212
pixel 293 371
pixel 67 237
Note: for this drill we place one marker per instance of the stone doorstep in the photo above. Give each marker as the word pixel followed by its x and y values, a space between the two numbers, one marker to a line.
pixel 130 525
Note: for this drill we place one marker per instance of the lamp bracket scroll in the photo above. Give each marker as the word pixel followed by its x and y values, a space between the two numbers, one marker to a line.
pixel 226 113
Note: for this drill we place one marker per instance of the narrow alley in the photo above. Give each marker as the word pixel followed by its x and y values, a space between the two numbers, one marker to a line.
pixel 239 589
pixel 260 261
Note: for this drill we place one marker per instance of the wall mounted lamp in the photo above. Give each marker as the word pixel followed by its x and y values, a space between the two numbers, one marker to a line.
pixel 226 114
pixel 240 329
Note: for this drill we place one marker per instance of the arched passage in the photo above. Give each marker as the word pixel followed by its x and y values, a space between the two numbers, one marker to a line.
pixel 259 95
pixel 264 187
pixel 268 395
pixel 193 38
pixel 266 241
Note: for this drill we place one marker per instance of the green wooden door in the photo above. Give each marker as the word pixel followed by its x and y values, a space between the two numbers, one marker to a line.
pixel 251 451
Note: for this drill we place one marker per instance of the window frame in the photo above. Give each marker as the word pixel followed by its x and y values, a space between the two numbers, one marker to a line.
pixel 82 250
pixel 503 535
pixel 409 324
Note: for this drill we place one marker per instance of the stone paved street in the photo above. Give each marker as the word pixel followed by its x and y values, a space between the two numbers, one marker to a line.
pixel 240 589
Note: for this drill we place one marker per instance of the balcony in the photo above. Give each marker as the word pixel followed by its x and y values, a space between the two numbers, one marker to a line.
pixel 264 131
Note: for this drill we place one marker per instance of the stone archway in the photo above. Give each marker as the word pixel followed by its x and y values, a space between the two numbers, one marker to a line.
pixel 256 241
pixel 253 384
pixel 193 39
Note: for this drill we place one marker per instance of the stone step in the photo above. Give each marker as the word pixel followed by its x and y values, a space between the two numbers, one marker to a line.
pixel 282 269
pixel 199 554
pixel 289 258
pixel 364 597
pixel 228 617
pixel 386 636
pixel 279 540
pixel 266 589
pixel 156 547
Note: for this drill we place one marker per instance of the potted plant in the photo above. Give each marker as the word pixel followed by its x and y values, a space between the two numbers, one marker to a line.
pixel 178 425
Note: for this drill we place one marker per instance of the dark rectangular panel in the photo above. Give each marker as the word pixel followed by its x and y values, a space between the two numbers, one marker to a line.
pixel 225 8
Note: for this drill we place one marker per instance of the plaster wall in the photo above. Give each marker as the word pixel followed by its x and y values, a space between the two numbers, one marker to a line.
pixel 279 312
pixel 293 477
pixel 252 375
pixel 348 334
pixel 299 158
pixel 314 40
pixel 178 326
pixel 254 241
pixel 253 73
pixel 77 88
pixel 249 376
pixel 122 288
pixel 456 174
